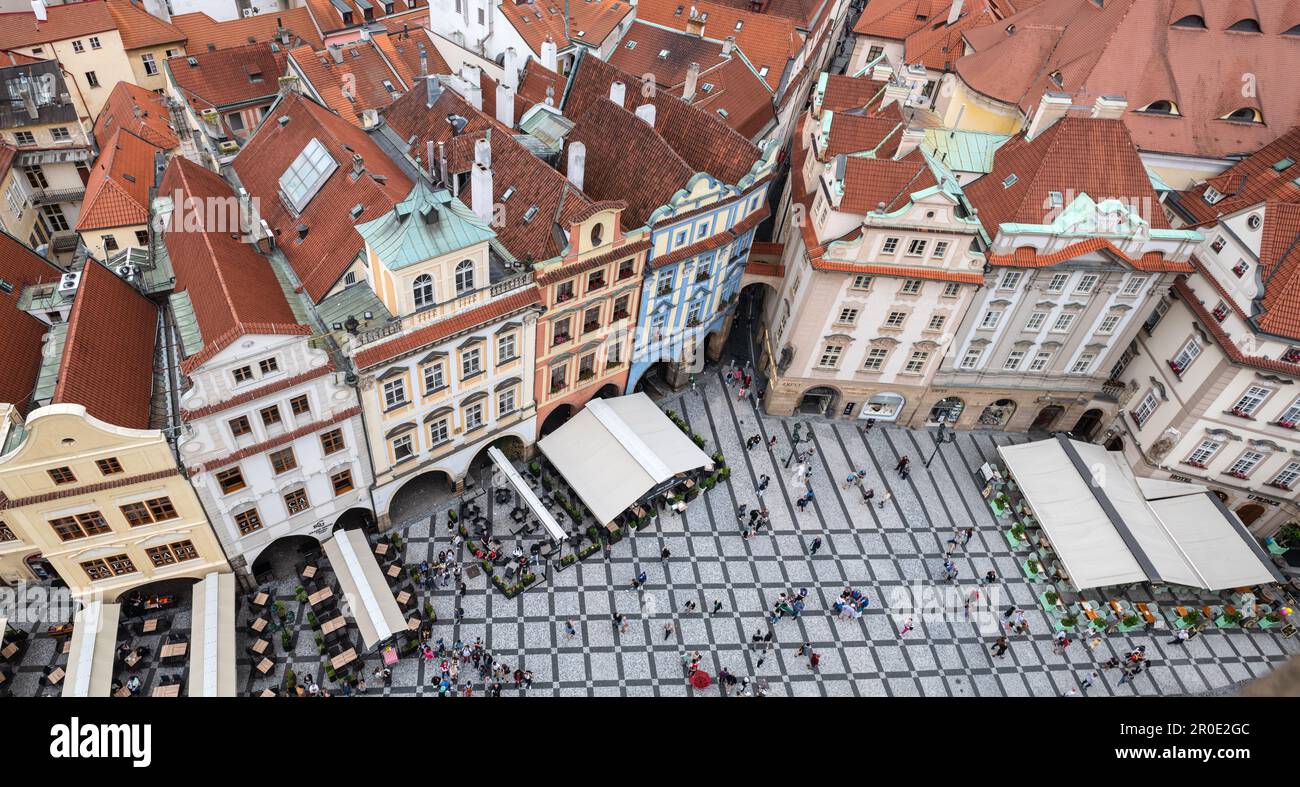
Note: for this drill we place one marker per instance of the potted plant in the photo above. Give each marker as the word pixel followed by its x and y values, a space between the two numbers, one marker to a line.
pixel 1191 618
pixel 301 593
pixel 280 611
pixel 1051 597
pixel 1229 619
pixel 568 560
pixel 724 472
pixel 1130 622
pixel 290 679
pixel 311 619
pixel 286 640
pixel 1018 530
pixel 1034 567
pixel 535 467
pixel 718 459
pixel 1068 621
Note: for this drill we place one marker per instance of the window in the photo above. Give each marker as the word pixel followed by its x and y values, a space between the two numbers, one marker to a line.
pixel 439 431
pixel 69 528
pixel 1058 282
pixel 342 482
pixel 1245 463
pixel 1185 356
pixel 561 331
pixel 916 247
pixel 1087 283
pixel 464 277
pixel 159 509
pixel 1108 323
pixel 1063 323
pixel 1142 413
pixel 296 501
pixel 874 52
pixel 7 534
pixel 940 249
pixel 433 378
pixel 991 319
pixel 621 311
pixel 91 79
pixel 595 279
pixel 24 138
pixel 394 393
pixel 1251 400
pixel 1220 312
pixel 473 416
pixel 230 480
pixel 875 359
pixel 1287 477
pixel 54 219
pixel 62 475
pixel 506 399
pixel 936 322
pixel 305 176
pixel 1134 285
pixel 591 319
pixel 109 242
pixel 150 66
pixel 1290 417
pixel 848 316
pixel 299 405
pixel 106 568
pixel 422 290
pixel 971 359
pixel 178 552
pixel 36 176
pixel 1201 455
pixel 506 347
pixel 911 286
pixel 895 319
pixel 1040 361
pixel 403 448
pixel 283 461
pixel 1083 363
pixel 1241 268
pixel 270 415
pixel 243 374
pixel 1218 244
pixel 142 237
pixel 831 357
pixel 60 134
pixel 861 282
pixel 248 521
pixel 94 42
pixel 78 47
pixel 1035 321
pixel 626 268
pixel 916 364
pixel 951 290
pixel 471 363
pixel 890 246
pixel 1010 280
pixel 1014 358
pixel 557 378
pixel 268 365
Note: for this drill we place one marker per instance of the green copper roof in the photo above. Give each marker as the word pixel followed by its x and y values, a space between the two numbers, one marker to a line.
pixel 963 151
pixel 425 225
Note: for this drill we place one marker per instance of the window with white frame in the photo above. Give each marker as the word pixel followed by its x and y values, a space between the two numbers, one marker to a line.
pixel 916 364
pixel 1134 285
pixel 1286 478
pixel 890 246
pixel 991 318
pixel 394 393
pixel 916 247
pixel 848 316
pixel 831 356
pixel 1203 453
pixel 1063 323
pixel 1145 408
pixel 875 359
pixel 422 290
pixel 1250 401
pixel 861 282
pixel 1058 282
pixel 471 363
pixel 936 322
pixel 1108 324
pixel 1035 321
pixel 439 432
pixel 940 249
pixel 1191 350
pixel 951 290
pixel 1087 283
pixel 1040 361
pixel 1290 417
pixel 403 448
pixel 1010 280
pixel 911 286
pixel 473 416
pixel 971 359
pixel 506 402
pixel 506 347
pixel 1083 363
pixel 1013 361
pixel 1245 464
pixel 895 319
pixel 433 377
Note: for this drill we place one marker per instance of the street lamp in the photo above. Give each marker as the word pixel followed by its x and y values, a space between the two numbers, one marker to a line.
pixel 941 437
pixel 794 443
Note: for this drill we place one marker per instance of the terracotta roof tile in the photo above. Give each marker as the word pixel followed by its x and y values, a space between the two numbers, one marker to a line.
pixel 871 182
pixel 768 41
pixel 329 19
pixel 456 323
pixel 1026 257
pixel 537 78
pixel 229 76
pixel 845 93
pixel 108 355
pixel 1249 182
pixel 68 20
pixel 738 96
pixel 117 191
pixel 332 243
pixel 804 14
pixel 1225 341
pixel 139 28
pixel 1280 258
pixel 402 50
pixel 20 352
pixel 204 33
pixel 535 21
pixel 140 111
pixel 354 85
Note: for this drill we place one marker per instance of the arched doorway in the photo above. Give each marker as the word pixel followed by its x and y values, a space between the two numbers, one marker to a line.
pixel 41 568
pixel 818 401
pixel 481 467
pixel 1116 443
pixel 283 556
pixel 557 418
pixel 355 519
pixel 176 587
pixel 420 497
pixel 1249 513
pixel 1086 427
pixel 608 391
pixel 745 340
pixel 946 411
pixel 996 415
pixel 1223 496
pixel 654 380
pixel 1046 418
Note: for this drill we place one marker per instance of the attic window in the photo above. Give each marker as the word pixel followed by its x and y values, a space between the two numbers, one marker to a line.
pixel 1010 180
pixel 663 54
pixel 306 175
pixel 193 61
pixel 1056 77
pixel 255 76
pixel 740 23
pixel 630 45
pixel 1244 115
pixel 1246 25
pixel 582 33
pixel 1056 198
pixel 1192 21
pixel 722 112
pixel 1161 107
pixel 6 287
pixel 1284 164
pixel 357 210
pixel 678 12
pixel 530 213
pixel 1253 221
pixel 1211 195
pixel 508 194
pixel 706 87
pixel 762 72
pixel 129 177
pixel 1294 31
pixel 1011 29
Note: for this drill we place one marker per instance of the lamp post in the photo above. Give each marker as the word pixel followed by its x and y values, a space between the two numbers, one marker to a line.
pixel 941 437
pixel 794 443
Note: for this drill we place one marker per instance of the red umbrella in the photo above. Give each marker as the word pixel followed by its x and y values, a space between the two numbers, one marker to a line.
pixel 701 679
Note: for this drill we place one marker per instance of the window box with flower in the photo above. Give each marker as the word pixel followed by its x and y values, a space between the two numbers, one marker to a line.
pixel 1176 368
pixel 1238 474
pixel 1241 412
pixel 1194 463
pixel 1286 424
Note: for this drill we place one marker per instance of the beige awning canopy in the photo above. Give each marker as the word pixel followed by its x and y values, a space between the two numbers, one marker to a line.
pixel 616 450
pixel 364 588
pixel 526 492
pixel 93 648
pixel 212 644
pixel 1109 527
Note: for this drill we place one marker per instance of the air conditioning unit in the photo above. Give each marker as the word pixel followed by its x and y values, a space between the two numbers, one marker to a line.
pixel 128 271
pixel 250 12
pixel 229 146
pixel 68 282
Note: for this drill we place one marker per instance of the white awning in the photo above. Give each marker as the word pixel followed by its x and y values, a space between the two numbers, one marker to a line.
pixel 94 646
pixel 616 450
pixel 526 492
pixel 1109 527
pixel 212 644
pixel 364 587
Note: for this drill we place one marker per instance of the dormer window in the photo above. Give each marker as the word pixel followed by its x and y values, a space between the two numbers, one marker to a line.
pixel 1246 26
pixel 1244 115
pixel 1191 21
pixel 1161 107
pixel 597 234
pixel 1211 195
pixel 1056 78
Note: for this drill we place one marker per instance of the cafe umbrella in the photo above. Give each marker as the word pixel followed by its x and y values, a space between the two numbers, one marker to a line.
pixel 701 679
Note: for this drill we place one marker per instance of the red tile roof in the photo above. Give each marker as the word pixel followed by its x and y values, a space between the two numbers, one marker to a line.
pixel 20 352
pixel 402 50
pixel 140 111
pixel 871 182
pixel 1130 48
pixel 69 20
pixel 738 96
pixel 665 53
pixel 535 20
pixel 1225 341
pixel 117 192
pixel 228 77
pixel 900 271
pixel 139 28
pixel 802 13
pixel 328 19
pixel 332 244
pixel 461 321
pixel 1027 257
pixel 861 133
pixel 1280 258
pixel 205 33
pixel 844 92
pixel 1075 155
pixel 356 84
pixel 233 288
pixel 108 355
pixel 1249 182
pixel 767 40
pixel 537 78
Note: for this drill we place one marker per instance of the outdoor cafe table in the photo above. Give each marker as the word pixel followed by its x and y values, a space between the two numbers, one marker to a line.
pixel 403 597
pixel 381 548
pixel 258 625
pixel 394 571
pixel 170 690
pixel 413 623
pixel 175 650
pixel 267 693
pixel 265 665
pixel 346 657
pixel 149 626
pixel 333 624
pixel 309 572
pixel 9 650
pixel 316 598
pixel 122 692
pixel 132 658
pixel 260 599
pixel 260 646
pixel 55 676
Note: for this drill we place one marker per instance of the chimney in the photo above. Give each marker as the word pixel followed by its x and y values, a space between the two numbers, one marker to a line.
pixel 247 218
pixel 911 138
pixel 577 163
pixel 506 104
pixel 692 80
pixel 431 160
pixel 473 86
pixel 358 165
pixel 695 24
pixel 158 10
pixel 647 113
pixel 549 54
pixel 617 92
pixel 369 119
pixel 424 61
pixel 442 164
pixel 954 13
pixel 481 181
pixel 38 8
pixel 1051 108
pixel 336 53
pixel 510 64
pixel 895 90
pixel 728 44
pixel 1109 107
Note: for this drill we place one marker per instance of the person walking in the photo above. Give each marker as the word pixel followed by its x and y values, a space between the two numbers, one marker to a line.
pixel 668 631
pixel 816 545
pixel 885 498
pixel 1000 648
pixel 814 659
pixel 569 631
pixel 849 480
pixel 866 427
pixel 771 442
pixel 989 578
pixel 867 494
pixel 717 606
pixel 665 553
pixel 1088 680
pixel 903 462
pixel 907 626
pixel 1180 638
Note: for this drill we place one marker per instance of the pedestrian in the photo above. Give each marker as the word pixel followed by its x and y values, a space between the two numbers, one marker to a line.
pixel 764 480
pixel 906 628
pixel 801 503
pixel 902 463
pixel 692 383
pixel 989 578
pixel 717 607
pixel 868 494
pixel 1088 680
pixel 1180 638
pixel 668 631
pixel 966 535
pixel 804 649
pixel 742 393
pixel 849 480
pixel 885 498
pixel 905 472
pixel 689 607
pixel 665 553
pixel 816 545
pixel 740 512
pixel 771 443
pixel 813 660
pixel 1000 647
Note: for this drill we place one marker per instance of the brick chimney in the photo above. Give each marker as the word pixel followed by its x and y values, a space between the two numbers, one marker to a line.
pixel 577 163
pixel 480 181
pixel 549 57
pixel 506 104
pixel 692 81
pixel 695 24
pixel 617 93
pixel 1109 107
pixel 954 13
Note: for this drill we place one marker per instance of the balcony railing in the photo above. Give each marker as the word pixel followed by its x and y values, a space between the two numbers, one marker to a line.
pixel 446 309
pixel 56 196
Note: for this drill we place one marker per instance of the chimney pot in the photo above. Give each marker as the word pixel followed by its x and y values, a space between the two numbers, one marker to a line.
pixel 577 163
pixel 647 113
pixel 617 92
pixel 954 13
pixel 692 80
